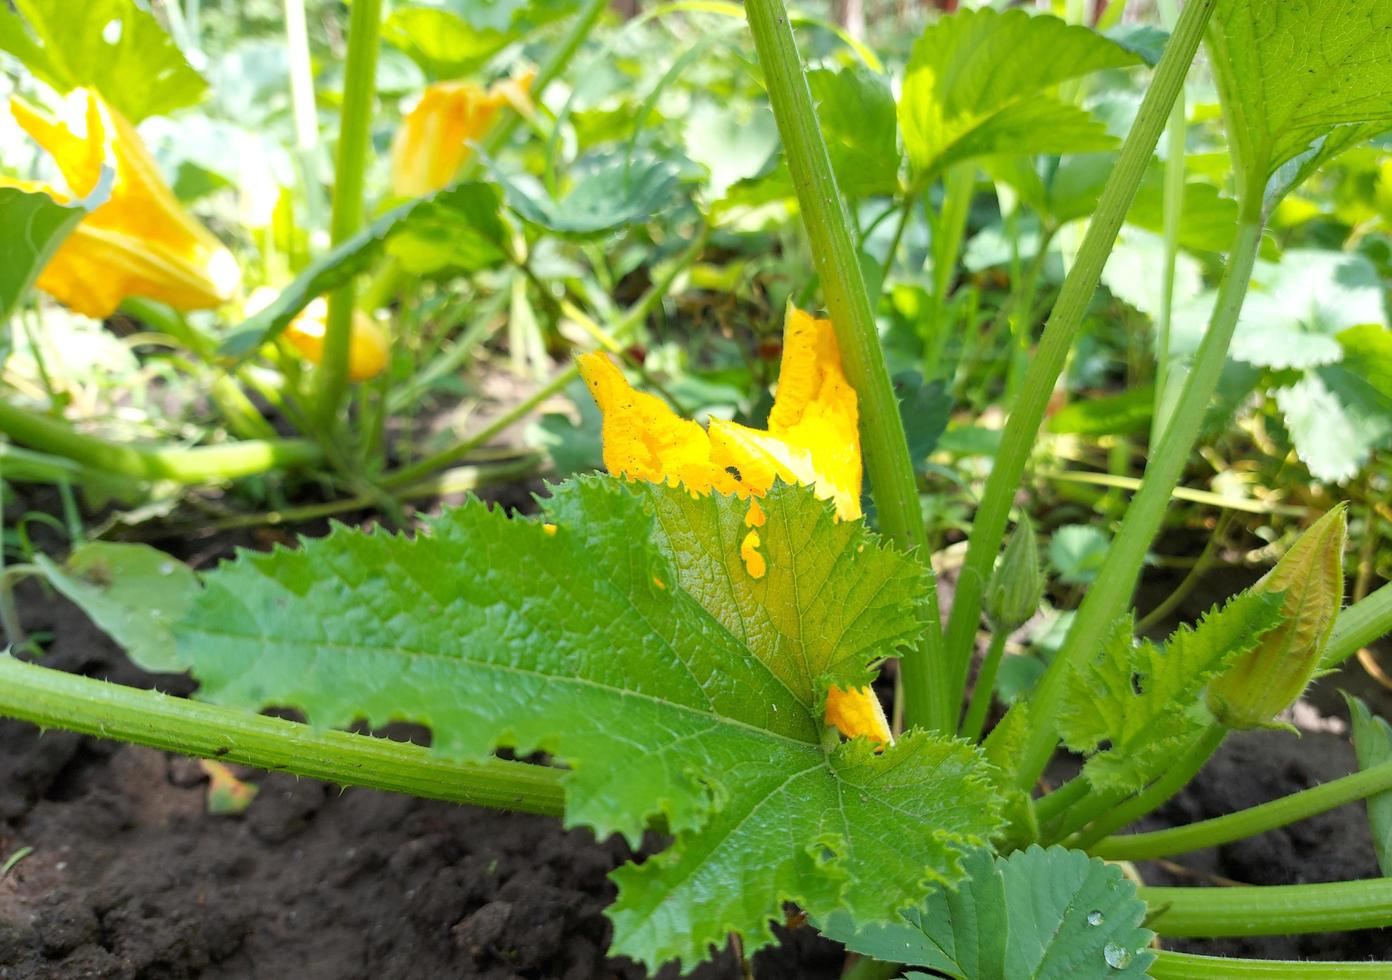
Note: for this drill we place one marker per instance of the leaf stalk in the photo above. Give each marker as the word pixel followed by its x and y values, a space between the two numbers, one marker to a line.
pixel 928 702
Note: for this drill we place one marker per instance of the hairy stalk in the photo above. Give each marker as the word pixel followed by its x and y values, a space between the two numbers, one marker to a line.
pixel 927 699
pixel 1249 822
pixel 988 527
pixel 56 699
pixel 1271 910
pixel 1110 594
pixel 1174 212
pixel 200 464
pixel 354 138
pixel 985 688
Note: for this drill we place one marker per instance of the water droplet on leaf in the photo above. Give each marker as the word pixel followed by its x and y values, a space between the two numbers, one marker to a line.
pixel 1094 918
pixel 1118 957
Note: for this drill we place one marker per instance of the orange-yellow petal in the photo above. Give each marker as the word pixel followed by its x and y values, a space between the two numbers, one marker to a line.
pixel 856 711
pixel 434 139
pixel 812 439
pixel 368 352
pixel 646 440
pixel 140 242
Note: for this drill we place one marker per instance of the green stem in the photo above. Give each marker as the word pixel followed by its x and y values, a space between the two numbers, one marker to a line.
pixel 1019 311
pixel 354 139
pixel 1174 214
pixel 1160 792
pixel 55 699
pixel 1022 428
pixel 1170 965
pixel 1049 806
pixel 199 464
pixel 1249 822
pixel 1360 624
pixel 927 699
pixel 1271 910
pixel 632 319
pixel 1110 594
pixel 959 183
pixel 985 687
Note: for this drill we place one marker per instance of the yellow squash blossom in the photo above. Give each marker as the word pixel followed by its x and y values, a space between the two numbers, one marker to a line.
pixel 141 242
pixel 812 439
pixel 434 139
pixel 368 353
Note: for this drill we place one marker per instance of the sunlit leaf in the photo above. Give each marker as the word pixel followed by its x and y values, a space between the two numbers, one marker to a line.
pixel 1293 72
pixel 630 641
pixel 979 83
pixel 114 46
pixel 856 110
pixel 132 591
pixel 1334 435
pixel 1038 914
pixel 32 227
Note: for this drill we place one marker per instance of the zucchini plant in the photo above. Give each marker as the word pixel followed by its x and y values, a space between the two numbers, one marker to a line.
pixel 692 639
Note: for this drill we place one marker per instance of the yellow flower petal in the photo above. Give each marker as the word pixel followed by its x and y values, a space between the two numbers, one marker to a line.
pixel 857 712
pixel 368 353
pixel 433 141
pixel 141 242
pixel 813 439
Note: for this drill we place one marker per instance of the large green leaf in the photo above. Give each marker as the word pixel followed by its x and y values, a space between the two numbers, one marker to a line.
pixel 1141 701
pixel 32 227
pixel 1372 742
pixel 856 110
pixel 632 644
pixel 979 83
pixel 458 228
pixel 1290 73
pixel 610 191
pixel 132 591
pixel 1039 914
pixel 114 46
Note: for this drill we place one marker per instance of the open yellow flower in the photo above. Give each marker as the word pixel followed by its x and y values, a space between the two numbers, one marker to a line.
pixel 434 139
pixel 812 438
pixel 141 242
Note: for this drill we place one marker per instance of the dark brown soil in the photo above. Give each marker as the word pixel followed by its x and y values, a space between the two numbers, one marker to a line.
pixel 130 877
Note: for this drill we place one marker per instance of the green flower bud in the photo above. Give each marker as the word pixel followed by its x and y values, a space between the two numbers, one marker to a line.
pixel 1017 584
pixel 1269 678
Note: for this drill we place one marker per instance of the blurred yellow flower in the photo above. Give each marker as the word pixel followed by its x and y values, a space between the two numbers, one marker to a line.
pixel 141 242
pixel 812 439
pixel 434 139
pixel 368 353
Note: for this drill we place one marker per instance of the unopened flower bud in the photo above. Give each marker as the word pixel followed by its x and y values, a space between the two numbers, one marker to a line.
pixel 1268 679
pixel 1017 583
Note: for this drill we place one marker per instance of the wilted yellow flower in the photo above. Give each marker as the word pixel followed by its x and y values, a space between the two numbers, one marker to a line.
pixel 812 439
pixel 141 242
pixel 368 354
pixel 434 139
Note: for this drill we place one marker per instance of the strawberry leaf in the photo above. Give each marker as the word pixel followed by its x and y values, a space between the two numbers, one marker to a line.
pixel 630 641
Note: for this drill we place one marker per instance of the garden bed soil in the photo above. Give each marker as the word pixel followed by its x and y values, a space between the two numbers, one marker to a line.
pixel 129 876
